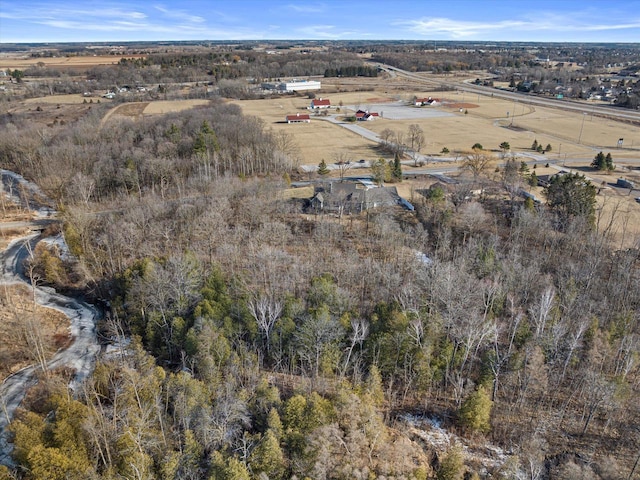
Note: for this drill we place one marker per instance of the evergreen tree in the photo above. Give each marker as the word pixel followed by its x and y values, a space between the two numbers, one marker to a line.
pixel 374 386
pixel 599 162
pixel 227 468
pixel 608 161
pixel 396 170
pixel 602 162
pixel 274 423
pixel 322 168
pixel 548 148
pixel 528 204
pixel 534 145
pixel 475 412
pixel 267 457
pixel 206 140
pixel 452 465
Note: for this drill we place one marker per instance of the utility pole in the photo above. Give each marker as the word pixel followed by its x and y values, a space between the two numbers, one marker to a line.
pixel 584 114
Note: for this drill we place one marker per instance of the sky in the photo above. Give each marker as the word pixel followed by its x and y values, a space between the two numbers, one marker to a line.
pixel 497 20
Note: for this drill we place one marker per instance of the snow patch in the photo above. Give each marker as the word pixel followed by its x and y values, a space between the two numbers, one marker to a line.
pixel 430 430
pixel 59 242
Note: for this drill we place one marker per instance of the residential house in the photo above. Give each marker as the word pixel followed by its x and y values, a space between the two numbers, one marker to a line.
pixel 420 102
pixel 352 197
pixel 365 115
pixel 320 103
pixel 298 118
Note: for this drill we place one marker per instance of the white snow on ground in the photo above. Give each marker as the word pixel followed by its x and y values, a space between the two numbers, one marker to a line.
pixel 430 430
pixel 58 241
pixel 80 355
pixel 25 193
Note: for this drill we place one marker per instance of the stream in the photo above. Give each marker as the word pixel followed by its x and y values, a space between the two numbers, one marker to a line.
pixel 80 355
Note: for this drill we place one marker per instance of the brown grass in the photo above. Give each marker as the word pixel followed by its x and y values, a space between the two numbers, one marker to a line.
pixel 23 61
pixel 169 106
pixel 317 140
pixel 17 314
pixel 486 123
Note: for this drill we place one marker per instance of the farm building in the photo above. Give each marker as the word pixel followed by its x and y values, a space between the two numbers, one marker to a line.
pixel 298 118
pixel 318 103
pixel 293 86
pixel 426 101
pixel 365 115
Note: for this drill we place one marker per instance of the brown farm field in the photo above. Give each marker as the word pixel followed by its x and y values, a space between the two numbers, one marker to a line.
pixel 485 122
pixel 72 62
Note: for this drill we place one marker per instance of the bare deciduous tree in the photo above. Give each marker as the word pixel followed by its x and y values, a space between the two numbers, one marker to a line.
pixel 265 310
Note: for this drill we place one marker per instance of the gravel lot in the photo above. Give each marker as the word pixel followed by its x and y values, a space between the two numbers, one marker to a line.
pixel 402 111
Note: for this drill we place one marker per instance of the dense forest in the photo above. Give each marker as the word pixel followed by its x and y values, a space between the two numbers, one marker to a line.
pixel 257 341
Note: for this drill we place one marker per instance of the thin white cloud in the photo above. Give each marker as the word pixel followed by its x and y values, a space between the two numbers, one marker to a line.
pixel 180 15
pixel 457 29
pixel 59 13
pixel 307 8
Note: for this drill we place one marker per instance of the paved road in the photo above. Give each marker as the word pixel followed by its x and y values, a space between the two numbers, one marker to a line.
pixel 616 113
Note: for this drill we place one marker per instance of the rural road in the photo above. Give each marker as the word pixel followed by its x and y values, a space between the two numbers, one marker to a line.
pixel 369 135
pixel 567 105
pixel 79 356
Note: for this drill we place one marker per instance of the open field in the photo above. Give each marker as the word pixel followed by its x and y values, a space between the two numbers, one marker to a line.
pixel 316 140
pixel 486 124
pixel 73 62
pixel 71 99
pixel 169 106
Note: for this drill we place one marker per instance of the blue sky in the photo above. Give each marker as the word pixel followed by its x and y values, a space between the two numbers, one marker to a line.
pixel 110 21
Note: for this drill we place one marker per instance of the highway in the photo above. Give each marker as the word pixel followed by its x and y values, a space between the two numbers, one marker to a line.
pixel 625 115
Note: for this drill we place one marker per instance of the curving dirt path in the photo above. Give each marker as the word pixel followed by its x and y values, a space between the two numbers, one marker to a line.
pixel 133 109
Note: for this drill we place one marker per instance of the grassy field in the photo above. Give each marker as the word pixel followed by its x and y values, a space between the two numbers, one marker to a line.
pixel 20 62
pixel 485 122
pixel 316 140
